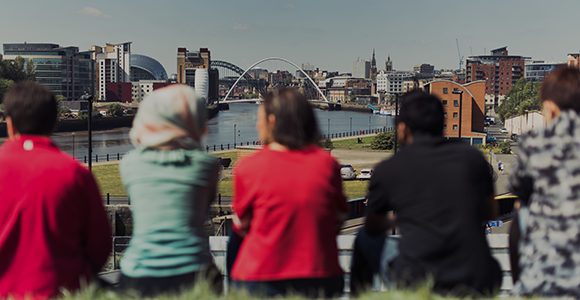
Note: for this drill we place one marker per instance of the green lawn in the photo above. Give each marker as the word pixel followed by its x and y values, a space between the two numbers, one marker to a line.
pixel 353 144
pixel 202 291
pixel 109 180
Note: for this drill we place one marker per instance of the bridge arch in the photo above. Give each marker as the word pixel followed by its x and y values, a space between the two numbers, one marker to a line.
pixel 274 58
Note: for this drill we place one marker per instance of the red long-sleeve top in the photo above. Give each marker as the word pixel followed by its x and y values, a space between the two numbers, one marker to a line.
pixel 54 231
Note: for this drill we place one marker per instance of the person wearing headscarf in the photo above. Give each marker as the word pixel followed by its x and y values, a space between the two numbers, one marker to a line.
pixel 171 182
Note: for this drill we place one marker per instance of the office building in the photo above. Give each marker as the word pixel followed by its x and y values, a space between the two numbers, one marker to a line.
pixel 499 70
pixel 393 82
pixel 146 68
pixel 424 69
pixel 361 69
pixel 538 69
pixel 193 69
pixel 114 66
pixel 64 70
pixel 471 114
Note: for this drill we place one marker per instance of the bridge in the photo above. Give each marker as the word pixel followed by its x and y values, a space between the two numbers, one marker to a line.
pixel 260 85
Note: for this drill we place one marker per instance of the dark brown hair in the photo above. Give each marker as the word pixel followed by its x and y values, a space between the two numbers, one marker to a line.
pixel 563 88
pixel 296 125
pixel 422 113
pixel 32 108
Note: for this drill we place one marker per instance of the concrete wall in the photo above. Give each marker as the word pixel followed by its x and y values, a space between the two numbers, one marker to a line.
pixel 525 123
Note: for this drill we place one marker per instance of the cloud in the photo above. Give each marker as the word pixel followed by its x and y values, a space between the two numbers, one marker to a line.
pixel 93 12
pixel 239 26
pixel 290 5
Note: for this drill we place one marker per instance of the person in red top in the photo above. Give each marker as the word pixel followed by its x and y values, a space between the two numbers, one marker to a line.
pixel 54 232
pixel 288 205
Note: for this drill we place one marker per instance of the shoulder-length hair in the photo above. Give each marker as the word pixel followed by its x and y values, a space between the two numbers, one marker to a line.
pixel 296 125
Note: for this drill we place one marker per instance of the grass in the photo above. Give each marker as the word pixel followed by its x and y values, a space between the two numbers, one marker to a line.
pixel 109 181
pixel 353 143
pixel 202 290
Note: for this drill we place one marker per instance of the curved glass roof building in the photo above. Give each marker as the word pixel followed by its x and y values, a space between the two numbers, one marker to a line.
pixel 146 68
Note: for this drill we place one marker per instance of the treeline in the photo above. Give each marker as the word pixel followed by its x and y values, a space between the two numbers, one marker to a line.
pixel 14 71
pixel 524 96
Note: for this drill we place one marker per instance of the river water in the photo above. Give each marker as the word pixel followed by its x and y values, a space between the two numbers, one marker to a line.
pixel 240 116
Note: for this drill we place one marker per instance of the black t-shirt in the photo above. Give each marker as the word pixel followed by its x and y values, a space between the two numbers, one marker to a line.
pixel 437 188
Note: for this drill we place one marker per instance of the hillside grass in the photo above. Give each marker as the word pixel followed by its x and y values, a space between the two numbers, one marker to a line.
pixel 203 291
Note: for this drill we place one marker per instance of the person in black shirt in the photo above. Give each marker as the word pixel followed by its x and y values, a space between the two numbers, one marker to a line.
pixel 440 191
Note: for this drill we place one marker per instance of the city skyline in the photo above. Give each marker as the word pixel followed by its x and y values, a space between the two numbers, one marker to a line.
pixel 327 34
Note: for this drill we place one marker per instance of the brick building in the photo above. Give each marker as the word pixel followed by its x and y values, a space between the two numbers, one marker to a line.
pixel 119 92
pixel 499 70
pixel 472 111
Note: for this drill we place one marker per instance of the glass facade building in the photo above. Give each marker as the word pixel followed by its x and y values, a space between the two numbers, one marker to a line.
pixel 64 70
pixel 146 68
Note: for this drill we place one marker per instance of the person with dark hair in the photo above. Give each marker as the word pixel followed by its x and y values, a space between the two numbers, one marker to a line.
pixel 55 232
pixel 288 205
pixel 172 182
pixel 544 240
pixel 441 192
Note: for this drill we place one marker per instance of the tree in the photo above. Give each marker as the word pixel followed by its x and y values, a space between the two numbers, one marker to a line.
pixel 5 85
pixel 327 144
pixel 115 109
pixel 505 147
pixel 63 110
pixel 384 141
pixel 60 98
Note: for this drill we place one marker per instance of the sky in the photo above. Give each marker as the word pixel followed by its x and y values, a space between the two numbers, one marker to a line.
pixel 329 34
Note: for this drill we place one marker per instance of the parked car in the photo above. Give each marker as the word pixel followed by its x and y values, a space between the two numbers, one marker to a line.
pixel 490 139
pixel 347 172
pixel 365 174
pixel 486 123
pixel 513 137
pixel 503 130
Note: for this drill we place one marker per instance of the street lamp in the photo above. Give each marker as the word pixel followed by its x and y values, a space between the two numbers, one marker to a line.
pixel 328 130
pixel 235 134
pixel 460 102
pixel 370 124
pixel 73 134
pixel 351 125
pixel 88 97
pixel 396 117
pixel 239 138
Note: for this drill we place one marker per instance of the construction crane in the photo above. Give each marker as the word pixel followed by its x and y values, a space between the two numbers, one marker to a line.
pixel 459 55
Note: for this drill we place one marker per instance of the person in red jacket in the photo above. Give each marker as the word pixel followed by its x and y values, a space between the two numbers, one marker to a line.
pixel 54 232
pixel 288 206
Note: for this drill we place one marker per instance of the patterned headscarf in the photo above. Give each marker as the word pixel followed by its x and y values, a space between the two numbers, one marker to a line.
pixel 169 118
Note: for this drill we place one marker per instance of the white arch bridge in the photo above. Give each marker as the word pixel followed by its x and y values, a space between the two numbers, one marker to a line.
pixel 226 100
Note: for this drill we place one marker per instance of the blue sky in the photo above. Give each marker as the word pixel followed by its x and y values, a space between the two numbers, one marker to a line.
pixel 329 34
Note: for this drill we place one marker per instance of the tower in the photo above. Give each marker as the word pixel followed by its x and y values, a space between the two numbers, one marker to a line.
pixel 373 66
pixel 389 64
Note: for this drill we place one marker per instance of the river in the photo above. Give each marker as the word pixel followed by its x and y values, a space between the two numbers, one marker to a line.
pixel 241 116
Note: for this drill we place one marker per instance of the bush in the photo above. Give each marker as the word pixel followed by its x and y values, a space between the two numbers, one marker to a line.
pixel 384 141
pixel 505 147
pixel 115 109
pixel 327 144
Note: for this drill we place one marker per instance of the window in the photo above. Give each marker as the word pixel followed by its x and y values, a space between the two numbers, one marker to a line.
pixel 455 89
pixel 444 127
pixel 444 102
pixel 444 115
pixel 444 90
pixel 455 102
pixel 454 127
pixel 455 115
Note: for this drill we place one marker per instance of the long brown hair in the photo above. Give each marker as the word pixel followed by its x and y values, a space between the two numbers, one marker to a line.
pixel 296 125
